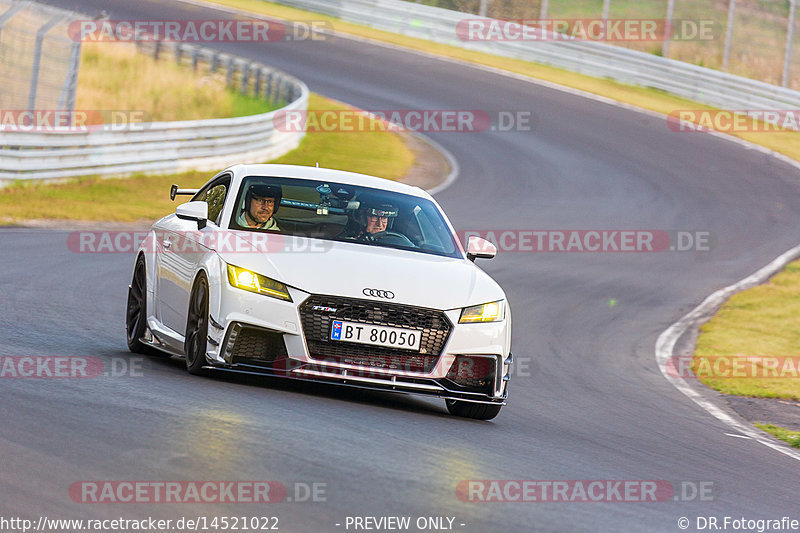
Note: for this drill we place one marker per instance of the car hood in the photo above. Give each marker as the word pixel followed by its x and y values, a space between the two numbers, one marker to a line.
pixel 347 269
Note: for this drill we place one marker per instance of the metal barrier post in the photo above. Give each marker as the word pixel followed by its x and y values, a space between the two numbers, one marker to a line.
pixel 789 40
pixel 668 34
pixel 606 8
pixel 10 13
pixel 729 34
pixel 37 59
pixel 269 88
pixel 245 78
pixel 67 100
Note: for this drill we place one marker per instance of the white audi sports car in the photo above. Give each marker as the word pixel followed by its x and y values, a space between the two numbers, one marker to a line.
pixel 323 275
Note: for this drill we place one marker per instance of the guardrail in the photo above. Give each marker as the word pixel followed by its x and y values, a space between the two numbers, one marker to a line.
pixel 700 84
pixel 165 146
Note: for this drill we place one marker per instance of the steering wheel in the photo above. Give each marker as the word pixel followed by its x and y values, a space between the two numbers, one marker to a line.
pixel 393 238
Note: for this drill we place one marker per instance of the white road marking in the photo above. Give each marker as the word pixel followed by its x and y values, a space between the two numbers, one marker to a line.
pixel 451 160
pixel 667 340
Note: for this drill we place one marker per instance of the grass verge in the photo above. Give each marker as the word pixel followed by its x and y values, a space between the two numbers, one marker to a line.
pixel 787 143
pixel 146 198
pixel 114 76
pixel 378 153
pixel 786 435
pixel 762 322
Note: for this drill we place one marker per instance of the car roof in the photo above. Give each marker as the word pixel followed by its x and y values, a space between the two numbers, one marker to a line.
pixel 326 174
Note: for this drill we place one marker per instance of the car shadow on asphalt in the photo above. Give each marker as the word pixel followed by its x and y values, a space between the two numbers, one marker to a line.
pixel 389 400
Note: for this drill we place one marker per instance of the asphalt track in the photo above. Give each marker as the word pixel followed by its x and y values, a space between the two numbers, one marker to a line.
pixel 593 405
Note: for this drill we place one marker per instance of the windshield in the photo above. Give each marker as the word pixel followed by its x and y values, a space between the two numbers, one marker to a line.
pixel 339 212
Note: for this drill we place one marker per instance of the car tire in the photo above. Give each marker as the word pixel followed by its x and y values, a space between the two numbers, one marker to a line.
pixel 478 411
pixel 136 309
pixel 197 327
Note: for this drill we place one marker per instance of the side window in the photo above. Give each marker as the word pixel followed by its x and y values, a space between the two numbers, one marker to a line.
pixel 433 230
pixel 214 196
pixel 216 200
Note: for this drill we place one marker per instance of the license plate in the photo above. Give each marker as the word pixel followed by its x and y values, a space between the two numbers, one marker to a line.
pixel 389 337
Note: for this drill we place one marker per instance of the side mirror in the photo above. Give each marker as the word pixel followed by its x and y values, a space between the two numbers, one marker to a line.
pixel 197 211
pixel 478 248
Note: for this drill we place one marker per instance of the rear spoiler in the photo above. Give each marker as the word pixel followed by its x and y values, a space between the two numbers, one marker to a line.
pixel 175 191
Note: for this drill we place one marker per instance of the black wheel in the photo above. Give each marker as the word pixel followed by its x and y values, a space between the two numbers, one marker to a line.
pixel 197 327
pixel 479 411
pixel 136 314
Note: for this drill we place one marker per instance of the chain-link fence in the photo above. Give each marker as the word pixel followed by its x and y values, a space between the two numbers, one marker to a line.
pixel 762 40
pixel 38 60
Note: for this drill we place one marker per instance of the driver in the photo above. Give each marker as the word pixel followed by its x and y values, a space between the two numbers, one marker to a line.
pixel 261 203
pixel 375 219
pixel 378 218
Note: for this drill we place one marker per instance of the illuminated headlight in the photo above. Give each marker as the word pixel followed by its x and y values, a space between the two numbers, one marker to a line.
pixel 491 312
pixel 242 278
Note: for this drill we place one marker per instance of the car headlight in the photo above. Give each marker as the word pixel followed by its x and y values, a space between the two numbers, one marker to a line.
pixel 489 312
pixel 244 279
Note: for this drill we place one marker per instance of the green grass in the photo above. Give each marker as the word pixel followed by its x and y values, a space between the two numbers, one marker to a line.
pixel 761 321
pixel 114 76
pixel 146 198
pixel 786 435
pixel 378 153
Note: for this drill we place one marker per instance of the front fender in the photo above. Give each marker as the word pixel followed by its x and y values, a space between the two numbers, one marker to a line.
pixel 148 249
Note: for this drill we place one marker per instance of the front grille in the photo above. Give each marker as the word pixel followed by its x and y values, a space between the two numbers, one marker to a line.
pixel 255 345
pixel 473 374
pixel 433 325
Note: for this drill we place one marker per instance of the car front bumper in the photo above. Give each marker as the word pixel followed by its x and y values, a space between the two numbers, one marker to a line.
pixel 283 339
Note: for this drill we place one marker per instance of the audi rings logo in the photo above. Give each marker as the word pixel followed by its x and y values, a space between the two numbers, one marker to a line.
pixel 377 293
